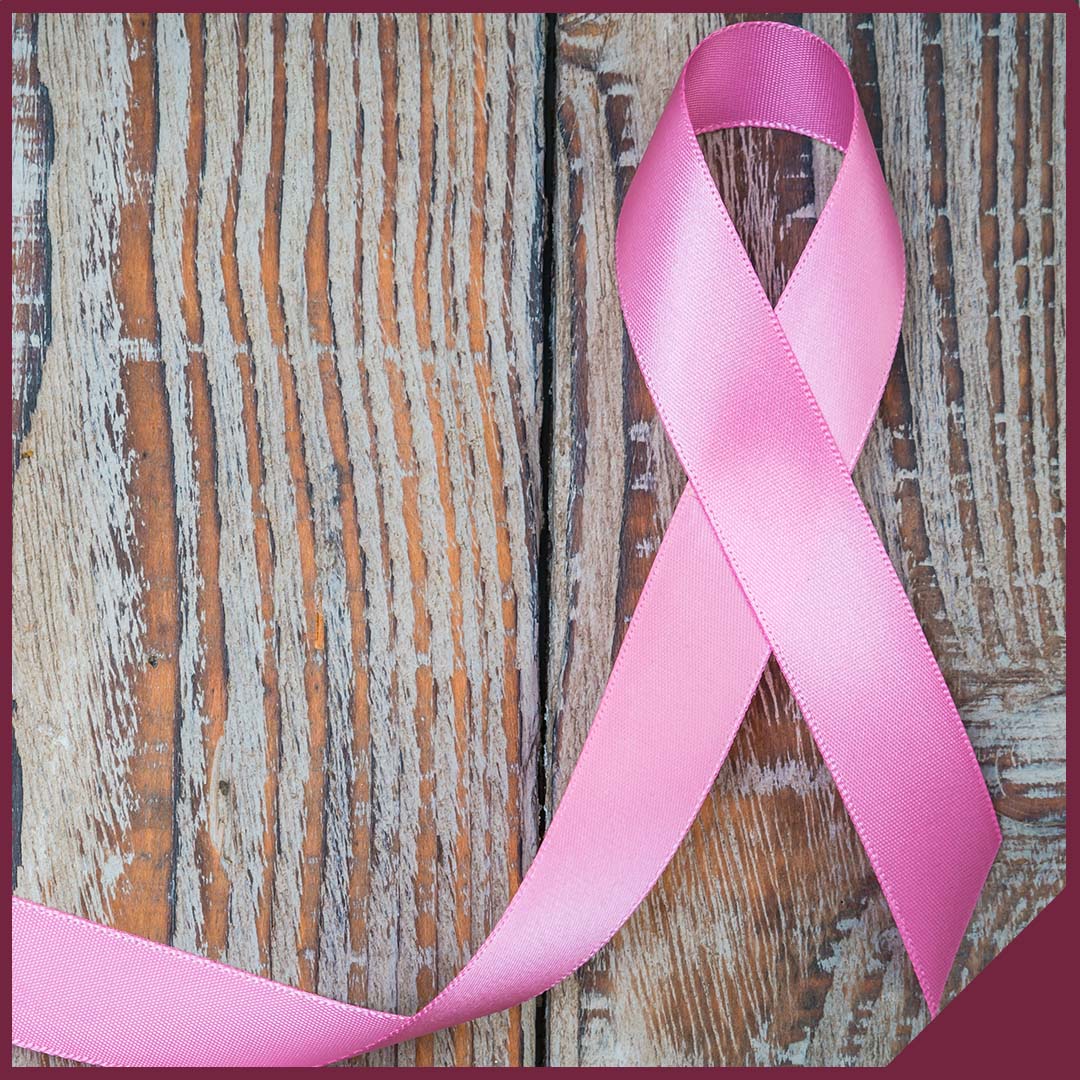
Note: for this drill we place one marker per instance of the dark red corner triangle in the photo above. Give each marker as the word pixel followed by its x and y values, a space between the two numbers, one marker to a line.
pixel 1016 1017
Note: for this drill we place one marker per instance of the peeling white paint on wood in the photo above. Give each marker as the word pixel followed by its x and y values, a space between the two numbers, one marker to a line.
pixel 767 941
pixel 346 244
pixel 72 571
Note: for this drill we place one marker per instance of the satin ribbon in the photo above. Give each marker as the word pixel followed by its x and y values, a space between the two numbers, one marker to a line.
pixel 770 550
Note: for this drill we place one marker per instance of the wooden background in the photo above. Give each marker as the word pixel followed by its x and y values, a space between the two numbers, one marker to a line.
pixel 335 485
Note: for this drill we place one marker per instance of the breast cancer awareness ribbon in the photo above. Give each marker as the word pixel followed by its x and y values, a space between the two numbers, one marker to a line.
pixel 770 551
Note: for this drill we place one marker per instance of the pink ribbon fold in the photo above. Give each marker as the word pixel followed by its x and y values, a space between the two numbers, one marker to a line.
pixel 770 550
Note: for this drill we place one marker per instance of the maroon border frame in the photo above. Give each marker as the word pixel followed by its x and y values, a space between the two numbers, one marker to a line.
pixel 1014 1018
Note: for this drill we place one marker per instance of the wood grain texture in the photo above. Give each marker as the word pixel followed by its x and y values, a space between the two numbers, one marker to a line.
pixel 301 658
pixel 277 514
pixel 31 150
pixel 767 941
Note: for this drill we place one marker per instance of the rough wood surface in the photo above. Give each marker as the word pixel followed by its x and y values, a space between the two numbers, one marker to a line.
pixel 283 592
pixel 276 516
pixel 768 941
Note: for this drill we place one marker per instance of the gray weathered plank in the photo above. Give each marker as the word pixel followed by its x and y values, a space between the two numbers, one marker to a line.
pixel 276 517
pixel 767 941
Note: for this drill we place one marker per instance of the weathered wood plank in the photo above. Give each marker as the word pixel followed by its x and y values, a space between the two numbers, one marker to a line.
pixel 767 941
pixel 31 145
pixel 276 528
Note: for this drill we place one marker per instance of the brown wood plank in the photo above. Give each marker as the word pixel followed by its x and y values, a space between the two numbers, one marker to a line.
pixel 277 509
pixel 767 941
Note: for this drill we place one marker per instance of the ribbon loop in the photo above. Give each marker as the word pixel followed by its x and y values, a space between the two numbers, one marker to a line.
pixel 770 550
pixel 775 485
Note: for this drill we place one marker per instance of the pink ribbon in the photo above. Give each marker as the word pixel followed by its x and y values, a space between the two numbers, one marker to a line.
pixel 770 551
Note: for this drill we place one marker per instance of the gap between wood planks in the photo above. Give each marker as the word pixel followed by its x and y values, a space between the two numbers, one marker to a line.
pixel 547 380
